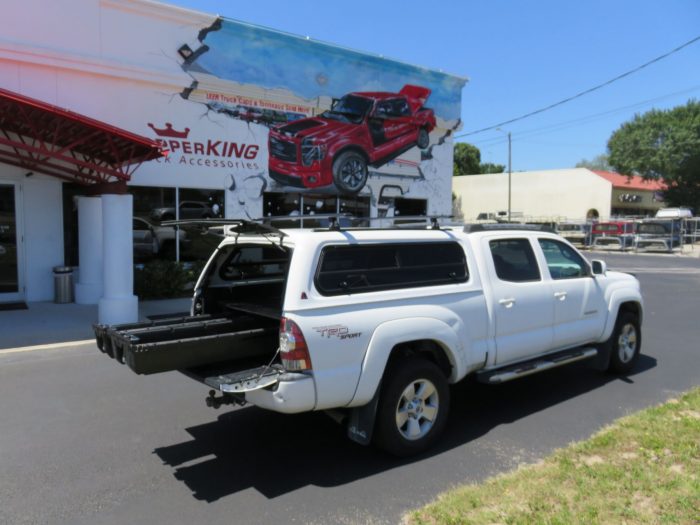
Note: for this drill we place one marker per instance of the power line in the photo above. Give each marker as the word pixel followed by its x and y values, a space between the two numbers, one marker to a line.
pixel 581 120
pixel 582 93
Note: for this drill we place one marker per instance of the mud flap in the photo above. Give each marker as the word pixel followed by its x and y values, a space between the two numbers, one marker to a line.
pixel 602 360
pixel 361 421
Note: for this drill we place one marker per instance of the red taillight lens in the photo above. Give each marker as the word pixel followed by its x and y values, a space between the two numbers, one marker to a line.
pixel 293 350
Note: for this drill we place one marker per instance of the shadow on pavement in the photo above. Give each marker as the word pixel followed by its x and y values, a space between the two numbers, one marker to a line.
pixel 276 454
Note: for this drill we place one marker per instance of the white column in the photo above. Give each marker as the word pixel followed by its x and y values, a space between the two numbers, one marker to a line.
pixel 118 304
pixel 88 289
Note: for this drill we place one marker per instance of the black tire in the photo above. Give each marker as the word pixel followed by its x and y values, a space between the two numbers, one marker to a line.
pixel 423 140
pixel 408 377
pixel 350 172
pixel 167 217
pixel 625 343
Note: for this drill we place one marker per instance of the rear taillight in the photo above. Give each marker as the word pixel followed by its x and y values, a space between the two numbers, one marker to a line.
pixel 293 350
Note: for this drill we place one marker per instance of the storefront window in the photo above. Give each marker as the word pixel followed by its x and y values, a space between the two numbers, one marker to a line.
pixel 357 207
pixel 197 243
pixel 279 206
pixel 154 205
pixel 151 207
pixel 409 208
pixel 8 241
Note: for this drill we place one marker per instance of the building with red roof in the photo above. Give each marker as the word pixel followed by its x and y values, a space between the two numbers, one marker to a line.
pixel 573 194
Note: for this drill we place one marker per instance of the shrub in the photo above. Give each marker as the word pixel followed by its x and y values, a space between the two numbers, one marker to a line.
pixel 162 280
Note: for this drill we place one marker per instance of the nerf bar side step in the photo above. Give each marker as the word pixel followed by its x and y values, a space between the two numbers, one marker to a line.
pixel 526 368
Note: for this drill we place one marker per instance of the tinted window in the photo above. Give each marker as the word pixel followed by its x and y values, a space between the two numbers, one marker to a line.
pixel 254 262
pixel 369 268
pixel 562 261
pixel 514 260
pixel 654 228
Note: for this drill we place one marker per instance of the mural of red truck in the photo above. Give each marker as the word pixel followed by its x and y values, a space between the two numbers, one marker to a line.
pixel 360 130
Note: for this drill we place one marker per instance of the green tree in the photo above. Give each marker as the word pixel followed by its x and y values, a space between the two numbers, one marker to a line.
pixel 663 144
pixel 490 167
pixel 467 161
pixel 599 162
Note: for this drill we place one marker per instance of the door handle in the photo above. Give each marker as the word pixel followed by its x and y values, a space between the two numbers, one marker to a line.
pixel 560 295
pixel 508 303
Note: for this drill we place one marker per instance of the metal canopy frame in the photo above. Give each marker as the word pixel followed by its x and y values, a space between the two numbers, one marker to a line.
pixel 43 138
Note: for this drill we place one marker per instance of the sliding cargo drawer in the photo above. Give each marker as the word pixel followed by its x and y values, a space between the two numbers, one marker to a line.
pixel 184 342
pixel 154 357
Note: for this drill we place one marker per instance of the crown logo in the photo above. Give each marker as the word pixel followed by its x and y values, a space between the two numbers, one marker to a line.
pixel 168 131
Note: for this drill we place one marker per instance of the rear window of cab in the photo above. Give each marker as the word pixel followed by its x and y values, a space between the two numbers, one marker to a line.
pixel 345 269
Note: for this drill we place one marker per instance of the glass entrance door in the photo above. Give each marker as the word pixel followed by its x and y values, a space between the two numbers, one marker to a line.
pixel 10 286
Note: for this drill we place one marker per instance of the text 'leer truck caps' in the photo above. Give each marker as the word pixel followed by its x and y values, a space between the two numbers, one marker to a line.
pixel 375 324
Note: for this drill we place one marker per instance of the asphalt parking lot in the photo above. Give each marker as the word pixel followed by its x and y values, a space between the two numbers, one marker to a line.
pixel 85 441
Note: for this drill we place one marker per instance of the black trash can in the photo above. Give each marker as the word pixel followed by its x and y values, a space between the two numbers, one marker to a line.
pixel 63 284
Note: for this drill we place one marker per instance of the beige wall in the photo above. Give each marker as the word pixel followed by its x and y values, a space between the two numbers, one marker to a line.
pixel 567 193
pixel 646 200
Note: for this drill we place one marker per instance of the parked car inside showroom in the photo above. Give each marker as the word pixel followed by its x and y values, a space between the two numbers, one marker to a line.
pixel 188 210
pixel 360 130
pixel 151 240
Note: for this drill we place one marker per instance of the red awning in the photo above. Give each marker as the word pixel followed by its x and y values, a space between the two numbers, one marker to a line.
pixel 47 139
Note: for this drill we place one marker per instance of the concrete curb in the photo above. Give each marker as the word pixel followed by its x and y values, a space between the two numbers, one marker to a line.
pixel 49 346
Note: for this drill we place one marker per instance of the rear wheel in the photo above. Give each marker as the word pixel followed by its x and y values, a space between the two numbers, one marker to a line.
pixel 413 407
pixel 625 343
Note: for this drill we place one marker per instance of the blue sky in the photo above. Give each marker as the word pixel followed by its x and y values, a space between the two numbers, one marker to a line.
pixel 271 59
pixel 519 57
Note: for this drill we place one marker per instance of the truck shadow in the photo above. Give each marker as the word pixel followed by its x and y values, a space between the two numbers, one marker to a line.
pixel 276 454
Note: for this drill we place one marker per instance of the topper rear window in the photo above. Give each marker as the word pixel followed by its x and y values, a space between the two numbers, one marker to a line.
pixel 369 268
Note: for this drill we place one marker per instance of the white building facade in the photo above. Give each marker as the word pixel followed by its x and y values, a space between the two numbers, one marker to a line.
pixel 209 91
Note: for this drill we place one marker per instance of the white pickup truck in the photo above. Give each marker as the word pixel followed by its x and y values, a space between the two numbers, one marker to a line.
pixel 373 325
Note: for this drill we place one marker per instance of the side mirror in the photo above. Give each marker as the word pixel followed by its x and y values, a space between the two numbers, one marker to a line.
pixel 599 267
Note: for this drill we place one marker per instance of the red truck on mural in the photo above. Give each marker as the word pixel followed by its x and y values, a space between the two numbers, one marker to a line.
pixel 360 130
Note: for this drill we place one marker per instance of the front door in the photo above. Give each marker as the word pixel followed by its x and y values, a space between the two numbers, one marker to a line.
pixel 11 286
pixel 580 310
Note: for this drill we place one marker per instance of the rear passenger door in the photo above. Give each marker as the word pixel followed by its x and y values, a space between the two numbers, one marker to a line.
pixel 522 301
pixel 579 307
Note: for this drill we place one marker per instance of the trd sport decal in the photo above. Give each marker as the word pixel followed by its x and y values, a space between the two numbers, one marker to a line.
pixel 337 330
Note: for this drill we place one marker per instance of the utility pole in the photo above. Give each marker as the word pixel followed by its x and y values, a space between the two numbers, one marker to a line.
pixel 509 174
pixel 509 169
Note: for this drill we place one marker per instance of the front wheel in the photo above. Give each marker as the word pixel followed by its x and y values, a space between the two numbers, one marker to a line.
pixel 350 172
pixel 413 407
pixel 625 342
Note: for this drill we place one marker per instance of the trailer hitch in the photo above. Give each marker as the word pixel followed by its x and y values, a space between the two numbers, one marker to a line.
pixel 226 399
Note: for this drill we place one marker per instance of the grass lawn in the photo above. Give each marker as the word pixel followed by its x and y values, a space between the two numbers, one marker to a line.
pixel 645 468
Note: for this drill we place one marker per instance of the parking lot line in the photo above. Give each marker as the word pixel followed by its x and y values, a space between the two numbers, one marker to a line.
pixel 49 346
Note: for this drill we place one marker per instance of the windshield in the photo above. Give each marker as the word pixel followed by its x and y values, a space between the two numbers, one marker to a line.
pixel 350 108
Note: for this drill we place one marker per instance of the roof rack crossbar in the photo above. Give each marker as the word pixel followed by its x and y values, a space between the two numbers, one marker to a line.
pixel 471 228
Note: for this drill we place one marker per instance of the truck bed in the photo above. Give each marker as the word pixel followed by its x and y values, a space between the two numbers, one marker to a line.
pixel 185 342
